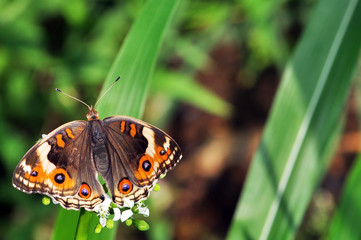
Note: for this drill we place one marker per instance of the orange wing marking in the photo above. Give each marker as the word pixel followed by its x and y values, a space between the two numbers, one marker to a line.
pixel 133 131
pixel 122 126
pixel 69 133
pixel 59 141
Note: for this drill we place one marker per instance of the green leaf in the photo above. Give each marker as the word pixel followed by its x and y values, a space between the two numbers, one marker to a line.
pixel 346 221
pixel 136 60
pixel 134 63
pixel 67 219
pixel 181 87
pixel 302 130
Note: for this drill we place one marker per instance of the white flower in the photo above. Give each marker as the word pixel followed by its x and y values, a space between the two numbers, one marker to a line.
pixel 143 210
pixel 128 212
pixel 102 211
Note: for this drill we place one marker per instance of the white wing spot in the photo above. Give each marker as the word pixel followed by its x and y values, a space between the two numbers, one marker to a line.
pixel 167 143
pixel 25 167
pixel 42 153
pixel 149 135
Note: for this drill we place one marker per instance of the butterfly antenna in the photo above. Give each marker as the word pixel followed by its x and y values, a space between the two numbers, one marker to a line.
pixel 116 80
pixel 57 89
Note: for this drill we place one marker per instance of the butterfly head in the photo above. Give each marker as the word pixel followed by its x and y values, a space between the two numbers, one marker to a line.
pixel 92 114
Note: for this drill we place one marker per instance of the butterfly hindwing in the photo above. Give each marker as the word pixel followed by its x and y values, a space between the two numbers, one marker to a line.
pixel 139 154
pixel 60 166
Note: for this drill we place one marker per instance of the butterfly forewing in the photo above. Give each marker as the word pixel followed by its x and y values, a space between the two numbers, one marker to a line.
pixel 59 166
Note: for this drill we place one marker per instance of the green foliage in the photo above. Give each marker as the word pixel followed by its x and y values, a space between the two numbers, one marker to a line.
pixel 135 61
pixel 304 125
pixel 183 88
pixel 74 46
pixel 69 45
pixel 346 218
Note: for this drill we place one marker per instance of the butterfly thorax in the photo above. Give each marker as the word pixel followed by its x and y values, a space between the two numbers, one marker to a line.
pixel 92 114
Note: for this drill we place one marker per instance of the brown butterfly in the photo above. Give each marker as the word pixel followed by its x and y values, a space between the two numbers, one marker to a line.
pixel 129 154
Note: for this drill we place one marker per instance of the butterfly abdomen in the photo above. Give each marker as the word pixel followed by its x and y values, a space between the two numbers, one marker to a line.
pixel 99 151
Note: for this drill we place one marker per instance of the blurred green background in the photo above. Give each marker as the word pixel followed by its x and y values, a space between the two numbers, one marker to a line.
pixel 226 59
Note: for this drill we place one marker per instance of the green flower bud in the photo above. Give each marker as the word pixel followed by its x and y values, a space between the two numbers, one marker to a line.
pixel 46 200
pixel 109 224
pixel 141 224
pixel 156 187
pixel 98 228
pixel 128 222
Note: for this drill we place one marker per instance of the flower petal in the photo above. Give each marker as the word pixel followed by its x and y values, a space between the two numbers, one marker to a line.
pixel 144 211
pixel 128 203
pixel 117 214
pixel 126 214
pixel 102 221
pixel 107 201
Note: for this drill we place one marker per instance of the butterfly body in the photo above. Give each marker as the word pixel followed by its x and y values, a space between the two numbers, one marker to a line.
pixel 129 155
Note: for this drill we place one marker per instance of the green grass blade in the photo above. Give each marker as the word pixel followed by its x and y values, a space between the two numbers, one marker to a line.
pixel 346 221
pixel 83 229
pixel 136 60
pixel 135 64
pixel 302 130
pixel 66 220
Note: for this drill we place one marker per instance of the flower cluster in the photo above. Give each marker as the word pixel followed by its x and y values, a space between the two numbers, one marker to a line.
pixel 124 214
pixel 102 211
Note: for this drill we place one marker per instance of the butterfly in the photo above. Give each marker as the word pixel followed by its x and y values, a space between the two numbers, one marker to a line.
pixel 130 155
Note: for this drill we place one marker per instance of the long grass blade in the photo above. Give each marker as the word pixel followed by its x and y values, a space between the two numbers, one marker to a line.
pixel 134 63
pixel 141 47
pixel 302 130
